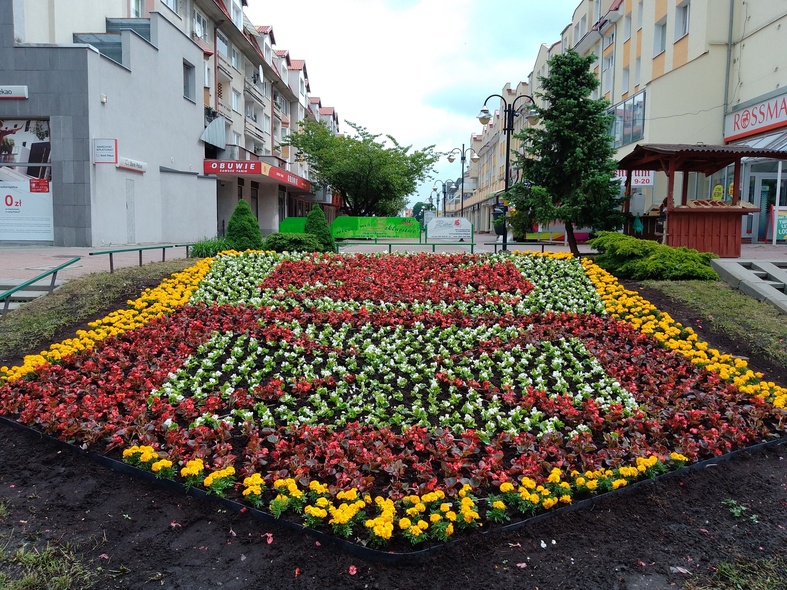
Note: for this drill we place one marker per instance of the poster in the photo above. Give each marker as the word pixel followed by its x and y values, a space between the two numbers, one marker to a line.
pixel 25 181
pixel 449 228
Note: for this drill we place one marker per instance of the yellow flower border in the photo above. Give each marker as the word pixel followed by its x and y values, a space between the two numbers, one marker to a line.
pixel 172 294
pixel 632 308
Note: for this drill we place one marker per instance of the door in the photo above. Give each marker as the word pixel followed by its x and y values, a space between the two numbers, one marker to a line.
pixel 762 194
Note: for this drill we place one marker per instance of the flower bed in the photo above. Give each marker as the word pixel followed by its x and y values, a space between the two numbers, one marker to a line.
pixel 398 396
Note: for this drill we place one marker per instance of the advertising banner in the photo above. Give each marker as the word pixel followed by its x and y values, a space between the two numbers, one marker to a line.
pixel 25 181
pixel 293 225
pixel 449 228
pixel 375 227
pixel 781 225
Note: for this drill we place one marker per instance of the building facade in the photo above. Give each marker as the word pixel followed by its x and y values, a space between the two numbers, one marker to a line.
pixel 679 72
pixel 143 121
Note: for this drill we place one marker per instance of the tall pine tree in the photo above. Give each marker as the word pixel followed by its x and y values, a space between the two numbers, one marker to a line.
pixel 569 163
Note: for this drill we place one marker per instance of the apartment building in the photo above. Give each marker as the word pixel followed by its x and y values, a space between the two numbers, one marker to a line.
pixel 683 72
pixel 141 121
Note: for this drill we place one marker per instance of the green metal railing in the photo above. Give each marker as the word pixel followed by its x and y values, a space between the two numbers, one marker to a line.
pixel 6 295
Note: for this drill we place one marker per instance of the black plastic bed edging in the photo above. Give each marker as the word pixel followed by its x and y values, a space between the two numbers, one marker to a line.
pixel 356 549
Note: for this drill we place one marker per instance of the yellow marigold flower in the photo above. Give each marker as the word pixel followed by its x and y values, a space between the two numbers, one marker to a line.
pixel 435 517
pixel 528 483
pixel 592 484
pixel 449 530
pixel 317 487
pixel 423 525
pixel 565 499
pixel 405 523
pixel 678 457
pixel 580 481
pixel 619 483
pixel 445 507
pixel 498 505
pixel 450 515
pixel 554 476
pixel 549 503
pixel 161 464
pixel 506 487
pixel 415 531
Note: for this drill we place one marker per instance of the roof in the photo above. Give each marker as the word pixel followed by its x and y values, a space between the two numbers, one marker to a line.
pixel 692 157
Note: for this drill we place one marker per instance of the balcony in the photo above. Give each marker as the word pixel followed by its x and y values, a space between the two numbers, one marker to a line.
pixel 225 110
pixel 251 128
pixel 253 90
pixel 225 68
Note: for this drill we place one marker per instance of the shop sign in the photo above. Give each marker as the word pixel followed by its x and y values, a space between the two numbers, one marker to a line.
pixel 758 118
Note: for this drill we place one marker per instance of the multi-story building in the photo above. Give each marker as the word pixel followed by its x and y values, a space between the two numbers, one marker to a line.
pixel 147 121
pixel 686 72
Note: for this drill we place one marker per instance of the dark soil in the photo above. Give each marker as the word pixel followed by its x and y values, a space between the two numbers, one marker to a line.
pixel 653 536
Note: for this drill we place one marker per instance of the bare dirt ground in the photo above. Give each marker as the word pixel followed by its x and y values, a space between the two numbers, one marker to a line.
pixel 660 534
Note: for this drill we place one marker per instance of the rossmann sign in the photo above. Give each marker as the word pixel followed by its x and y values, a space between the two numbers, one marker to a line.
pixel 758 118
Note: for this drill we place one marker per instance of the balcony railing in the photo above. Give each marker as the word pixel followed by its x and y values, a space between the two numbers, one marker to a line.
pixel 253 90
pixel 254 130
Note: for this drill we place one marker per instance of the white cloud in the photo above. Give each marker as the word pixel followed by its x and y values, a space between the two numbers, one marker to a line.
pixel 418 70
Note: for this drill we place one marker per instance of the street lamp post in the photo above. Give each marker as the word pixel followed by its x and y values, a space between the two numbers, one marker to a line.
pixel 462 155
pixel 508 127
pixel 445 190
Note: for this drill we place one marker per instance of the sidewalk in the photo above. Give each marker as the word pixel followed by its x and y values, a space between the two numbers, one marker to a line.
pixel 26 262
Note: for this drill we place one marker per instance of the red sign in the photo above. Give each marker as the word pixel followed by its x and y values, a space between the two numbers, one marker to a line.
pixel 233 167
pixel 248 167
pixel 39 185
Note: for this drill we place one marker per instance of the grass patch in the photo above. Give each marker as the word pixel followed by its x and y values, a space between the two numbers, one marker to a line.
pixel 728 311
pixel 34 325
pixel 26 567
pixel 761 574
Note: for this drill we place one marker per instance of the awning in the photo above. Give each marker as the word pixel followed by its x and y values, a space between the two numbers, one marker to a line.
pixel 215 133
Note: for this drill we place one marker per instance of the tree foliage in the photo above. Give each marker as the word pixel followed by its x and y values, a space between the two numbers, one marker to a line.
pixel 371 177
pixel 569 163
pixel 317 225
pixel 243 231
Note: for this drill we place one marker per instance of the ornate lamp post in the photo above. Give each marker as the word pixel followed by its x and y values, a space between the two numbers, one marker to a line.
pixel 445 190
pixel 462 155
pixel 510 112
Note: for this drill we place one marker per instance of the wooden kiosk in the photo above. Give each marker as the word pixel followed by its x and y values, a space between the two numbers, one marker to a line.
pixel 704 225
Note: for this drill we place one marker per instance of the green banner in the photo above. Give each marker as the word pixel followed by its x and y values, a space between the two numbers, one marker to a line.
pixel 293 225
pixel 781 225
pixel 375 227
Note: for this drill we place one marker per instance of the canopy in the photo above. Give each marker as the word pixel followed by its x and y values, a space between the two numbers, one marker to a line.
pixel 677 157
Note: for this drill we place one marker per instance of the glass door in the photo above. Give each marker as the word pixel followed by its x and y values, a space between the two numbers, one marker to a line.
pixel 763 196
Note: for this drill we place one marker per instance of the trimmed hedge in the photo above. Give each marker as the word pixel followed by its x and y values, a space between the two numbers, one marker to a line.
pixel 284 242
pixel 627 257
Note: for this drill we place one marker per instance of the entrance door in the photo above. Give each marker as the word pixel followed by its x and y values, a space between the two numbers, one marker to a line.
pixel 762 193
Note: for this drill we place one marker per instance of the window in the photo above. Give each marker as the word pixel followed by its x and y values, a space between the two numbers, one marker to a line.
pixel 173 5
pixel 607 67
pixel 137 9
pixel 235 101
pixel 597 11
pixel 640 10
pixel 266 89
pixel 628 125
pixel 206 81
pixel 267 51
pixel 609 39
pixel 222 45
pixel 200 26
pixel 237 14
pixel 682 20
pixel 637 68
pixel 624 81
pixel 189 81
pixel 660 37
pixel 235 59
pixel 267 122
pixel 236 139
pixel 627 27
pixel 250 112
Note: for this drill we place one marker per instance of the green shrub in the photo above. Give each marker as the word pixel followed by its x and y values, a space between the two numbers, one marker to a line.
pixel 317 225
pixel 283 242
pixel 208 248
pixel 243 231
pixel 628 257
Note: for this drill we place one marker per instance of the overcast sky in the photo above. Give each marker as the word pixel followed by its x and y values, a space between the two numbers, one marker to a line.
pixel 418 70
